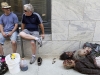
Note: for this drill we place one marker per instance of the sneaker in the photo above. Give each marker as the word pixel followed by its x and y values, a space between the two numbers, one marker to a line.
pixel 40 41
pixel 32 60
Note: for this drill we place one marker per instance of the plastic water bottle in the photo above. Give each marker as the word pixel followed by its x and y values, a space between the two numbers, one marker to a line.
pixel 0 63
pixel 0 59
pixel 23 65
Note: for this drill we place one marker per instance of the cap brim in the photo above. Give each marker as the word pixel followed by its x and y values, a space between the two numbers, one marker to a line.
pixel 6 7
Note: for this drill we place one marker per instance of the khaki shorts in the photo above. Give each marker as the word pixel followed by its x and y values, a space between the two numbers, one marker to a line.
pixel 33 33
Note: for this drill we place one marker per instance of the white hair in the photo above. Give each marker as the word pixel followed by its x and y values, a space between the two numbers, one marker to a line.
pixel 29 7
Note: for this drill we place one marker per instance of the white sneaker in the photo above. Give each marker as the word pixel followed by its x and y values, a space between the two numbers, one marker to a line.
pixel 40 41
pixel 32 60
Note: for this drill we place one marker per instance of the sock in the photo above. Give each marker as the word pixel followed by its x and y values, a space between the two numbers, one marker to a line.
pixel 33 55
pixel 36 38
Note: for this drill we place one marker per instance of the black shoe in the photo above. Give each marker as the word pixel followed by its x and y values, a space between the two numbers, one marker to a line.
pixel 39 61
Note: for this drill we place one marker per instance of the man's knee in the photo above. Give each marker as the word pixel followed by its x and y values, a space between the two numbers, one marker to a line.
pixel 21 34
pixel 0 45
pixel 33 43
pixel 13 42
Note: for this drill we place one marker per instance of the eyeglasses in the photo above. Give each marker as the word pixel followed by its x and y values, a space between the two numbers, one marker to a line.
pixel 25 10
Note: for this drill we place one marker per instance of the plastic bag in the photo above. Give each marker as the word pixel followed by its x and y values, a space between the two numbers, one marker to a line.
pixel 3 65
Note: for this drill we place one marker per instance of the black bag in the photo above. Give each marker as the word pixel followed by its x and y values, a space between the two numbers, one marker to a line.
pixel 91 45
pixel 3 65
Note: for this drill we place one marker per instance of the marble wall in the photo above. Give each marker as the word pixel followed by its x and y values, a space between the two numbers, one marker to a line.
pixel 76 20
pixel 73 23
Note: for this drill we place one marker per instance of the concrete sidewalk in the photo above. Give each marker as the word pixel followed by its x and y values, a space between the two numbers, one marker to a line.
pixel 47 68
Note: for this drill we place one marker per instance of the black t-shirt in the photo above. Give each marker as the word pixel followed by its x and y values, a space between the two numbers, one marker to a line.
pixel 31 22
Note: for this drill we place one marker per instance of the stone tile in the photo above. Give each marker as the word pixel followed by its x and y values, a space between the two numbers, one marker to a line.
pixel 67 10
pixel 46 48
pixel 60 36
pixel 92 10
pixel 97 32
pixel 62 46
pixel 59 30
pixel 81 30
pixel 60 26
pixel 47 37
pixel 57 47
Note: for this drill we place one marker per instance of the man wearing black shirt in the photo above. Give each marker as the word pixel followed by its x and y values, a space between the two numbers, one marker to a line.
pixel 30 31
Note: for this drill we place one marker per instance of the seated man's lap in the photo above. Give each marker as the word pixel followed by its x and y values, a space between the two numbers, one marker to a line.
pixel 12 38
pixel 33 33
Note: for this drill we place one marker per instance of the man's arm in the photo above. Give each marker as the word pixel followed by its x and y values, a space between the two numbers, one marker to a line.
pixel 15 28
pixel 1 29
pixel 42 29
pixel 86 70
pixel 22 26
pixel 89 71
pixel 15 21
pixel 41 24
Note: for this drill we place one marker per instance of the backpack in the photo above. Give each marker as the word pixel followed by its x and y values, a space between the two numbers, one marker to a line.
pixel 95 48
pixel 87 44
